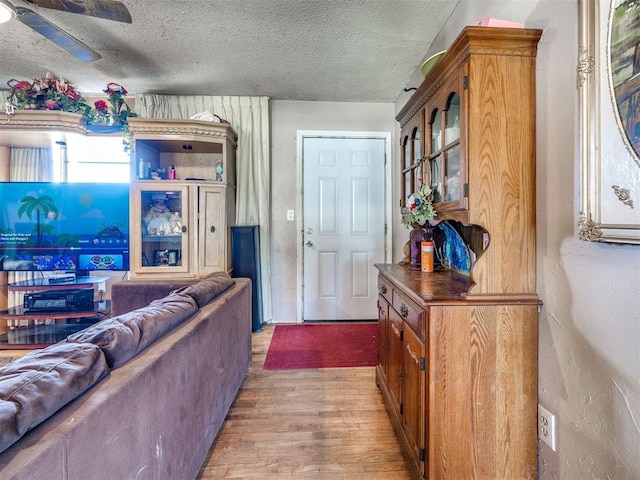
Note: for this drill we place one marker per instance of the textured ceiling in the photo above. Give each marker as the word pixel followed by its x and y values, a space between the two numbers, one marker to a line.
pixel 323 50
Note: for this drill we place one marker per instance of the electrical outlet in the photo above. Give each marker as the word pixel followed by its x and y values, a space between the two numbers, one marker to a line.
pixel 547 427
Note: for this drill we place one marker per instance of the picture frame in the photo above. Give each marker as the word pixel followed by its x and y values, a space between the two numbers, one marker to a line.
pixel 167 258
pixel 610 165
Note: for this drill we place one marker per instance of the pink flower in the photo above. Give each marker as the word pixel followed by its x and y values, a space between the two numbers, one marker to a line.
pixel 62 85
pixel 51 105
pixel 23 85
pixel 101 106
pixel 116 89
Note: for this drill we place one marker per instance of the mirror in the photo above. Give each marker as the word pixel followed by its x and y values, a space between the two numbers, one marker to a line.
pixel 624 57
pixel 610 184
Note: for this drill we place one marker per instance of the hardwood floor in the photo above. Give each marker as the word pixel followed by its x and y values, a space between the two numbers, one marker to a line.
pixel 320 424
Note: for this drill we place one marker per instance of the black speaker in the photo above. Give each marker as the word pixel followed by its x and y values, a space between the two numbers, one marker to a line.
pixel 245 261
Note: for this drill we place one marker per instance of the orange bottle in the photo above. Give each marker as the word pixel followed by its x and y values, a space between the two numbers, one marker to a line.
pixel 426 250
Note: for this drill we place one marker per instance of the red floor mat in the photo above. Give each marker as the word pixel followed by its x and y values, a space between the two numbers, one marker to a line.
pixel 322 346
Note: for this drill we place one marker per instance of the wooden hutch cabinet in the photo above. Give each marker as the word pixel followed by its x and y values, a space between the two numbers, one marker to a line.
pixel 181 226
pixel 458 351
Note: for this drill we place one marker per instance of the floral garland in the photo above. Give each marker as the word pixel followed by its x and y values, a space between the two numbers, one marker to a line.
pixel 50 94
pixel 420 205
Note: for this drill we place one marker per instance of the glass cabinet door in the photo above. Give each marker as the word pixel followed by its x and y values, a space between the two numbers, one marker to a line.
pixel 436 131
pixel 445 156
pixel 435 155
pixel 406 171
pixel 159 228
pixel 412 174
pixel 452 124
pixel 452 174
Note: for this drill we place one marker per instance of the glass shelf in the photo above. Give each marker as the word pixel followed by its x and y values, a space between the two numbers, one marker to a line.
pixel 38 328
pixel 37 335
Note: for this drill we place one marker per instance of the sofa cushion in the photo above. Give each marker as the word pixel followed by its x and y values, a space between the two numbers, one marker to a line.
pixel 208 288
pixel 37 385
pixel 118 342
pixel 150 323
pixel 121 338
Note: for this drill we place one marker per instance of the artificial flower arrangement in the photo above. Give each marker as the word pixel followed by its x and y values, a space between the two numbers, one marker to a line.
pixel 116 111
pixel 50 94
pixel 420 205
pixel 47 94
pixel 113 112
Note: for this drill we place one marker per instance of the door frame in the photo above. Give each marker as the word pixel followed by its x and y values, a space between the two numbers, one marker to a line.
pixel 329 134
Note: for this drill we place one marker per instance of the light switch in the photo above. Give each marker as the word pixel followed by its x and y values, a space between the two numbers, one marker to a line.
pixel 290 215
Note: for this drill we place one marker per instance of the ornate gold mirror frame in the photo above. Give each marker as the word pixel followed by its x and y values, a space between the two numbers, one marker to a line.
pixel 610 167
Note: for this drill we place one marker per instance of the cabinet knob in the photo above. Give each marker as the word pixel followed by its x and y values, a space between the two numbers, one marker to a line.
pixel 404 311
pixel 212 229
pixel 383 289
pixel 184 229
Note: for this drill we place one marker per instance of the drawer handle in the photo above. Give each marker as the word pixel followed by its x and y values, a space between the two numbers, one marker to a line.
pixel 383 289
pixel 404 311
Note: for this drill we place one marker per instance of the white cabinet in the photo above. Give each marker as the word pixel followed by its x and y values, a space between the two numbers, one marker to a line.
pixel 216 208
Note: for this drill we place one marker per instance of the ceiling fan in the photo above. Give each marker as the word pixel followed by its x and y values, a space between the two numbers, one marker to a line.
pixel 108 9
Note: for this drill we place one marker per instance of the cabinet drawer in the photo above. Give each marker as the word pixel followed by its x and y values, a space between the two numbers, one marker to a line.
pixel 385 288
pixel 410 312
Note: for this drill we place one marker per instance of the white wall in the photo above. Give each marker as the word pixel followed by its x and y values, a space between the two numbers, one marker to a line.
pixel 287 117
pixel 589 327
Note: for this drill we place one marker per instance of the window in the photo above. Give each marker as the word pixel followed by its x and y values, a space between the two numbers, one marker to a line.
pixel 91 159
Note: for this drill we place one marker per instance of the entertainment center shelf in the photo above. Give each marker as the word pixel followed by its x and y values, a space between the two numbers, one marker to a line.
pixel 37 328
pixel 22 313
pixel 190 165
pixel 46 328
pixel 44 283
pixel 182 205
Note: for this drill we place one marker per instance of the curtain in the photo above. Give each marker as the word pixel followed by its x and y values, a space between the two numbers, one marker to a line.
pixel 27 165
pixel 30 165
pixel 249 117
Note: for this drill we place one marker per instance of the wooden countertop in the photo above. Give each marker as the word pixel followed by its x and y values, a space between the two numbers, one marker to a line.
pixel 443 287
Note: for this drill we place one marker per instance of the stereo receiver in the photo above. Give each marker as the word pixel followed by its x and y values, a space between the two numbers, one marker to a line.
pixel 60 300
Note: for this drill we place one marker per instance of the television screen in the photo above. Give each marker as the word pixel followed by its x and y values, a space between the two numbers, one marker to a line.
pixel 64 226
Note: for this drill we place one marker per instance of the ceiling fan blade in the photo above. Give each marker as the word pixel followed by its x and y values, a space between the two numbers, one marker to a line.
pixel 61 38
pixel 109 9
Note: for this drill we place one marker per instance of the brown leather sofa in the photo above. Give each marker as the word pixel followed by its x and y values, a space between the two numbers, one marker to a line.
pixel 141 395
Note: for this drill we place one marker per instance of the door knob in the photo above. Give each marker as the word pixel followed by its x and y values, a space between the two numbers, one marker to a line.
pixel 309 243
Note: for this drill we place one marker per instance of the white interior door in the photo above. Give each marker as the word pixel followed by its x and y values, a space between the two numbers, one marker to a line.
pixel 343 226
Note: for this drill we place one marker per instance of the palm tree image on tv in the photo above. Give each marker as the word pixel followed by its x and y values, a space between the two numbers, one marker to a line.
pixel 43 207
